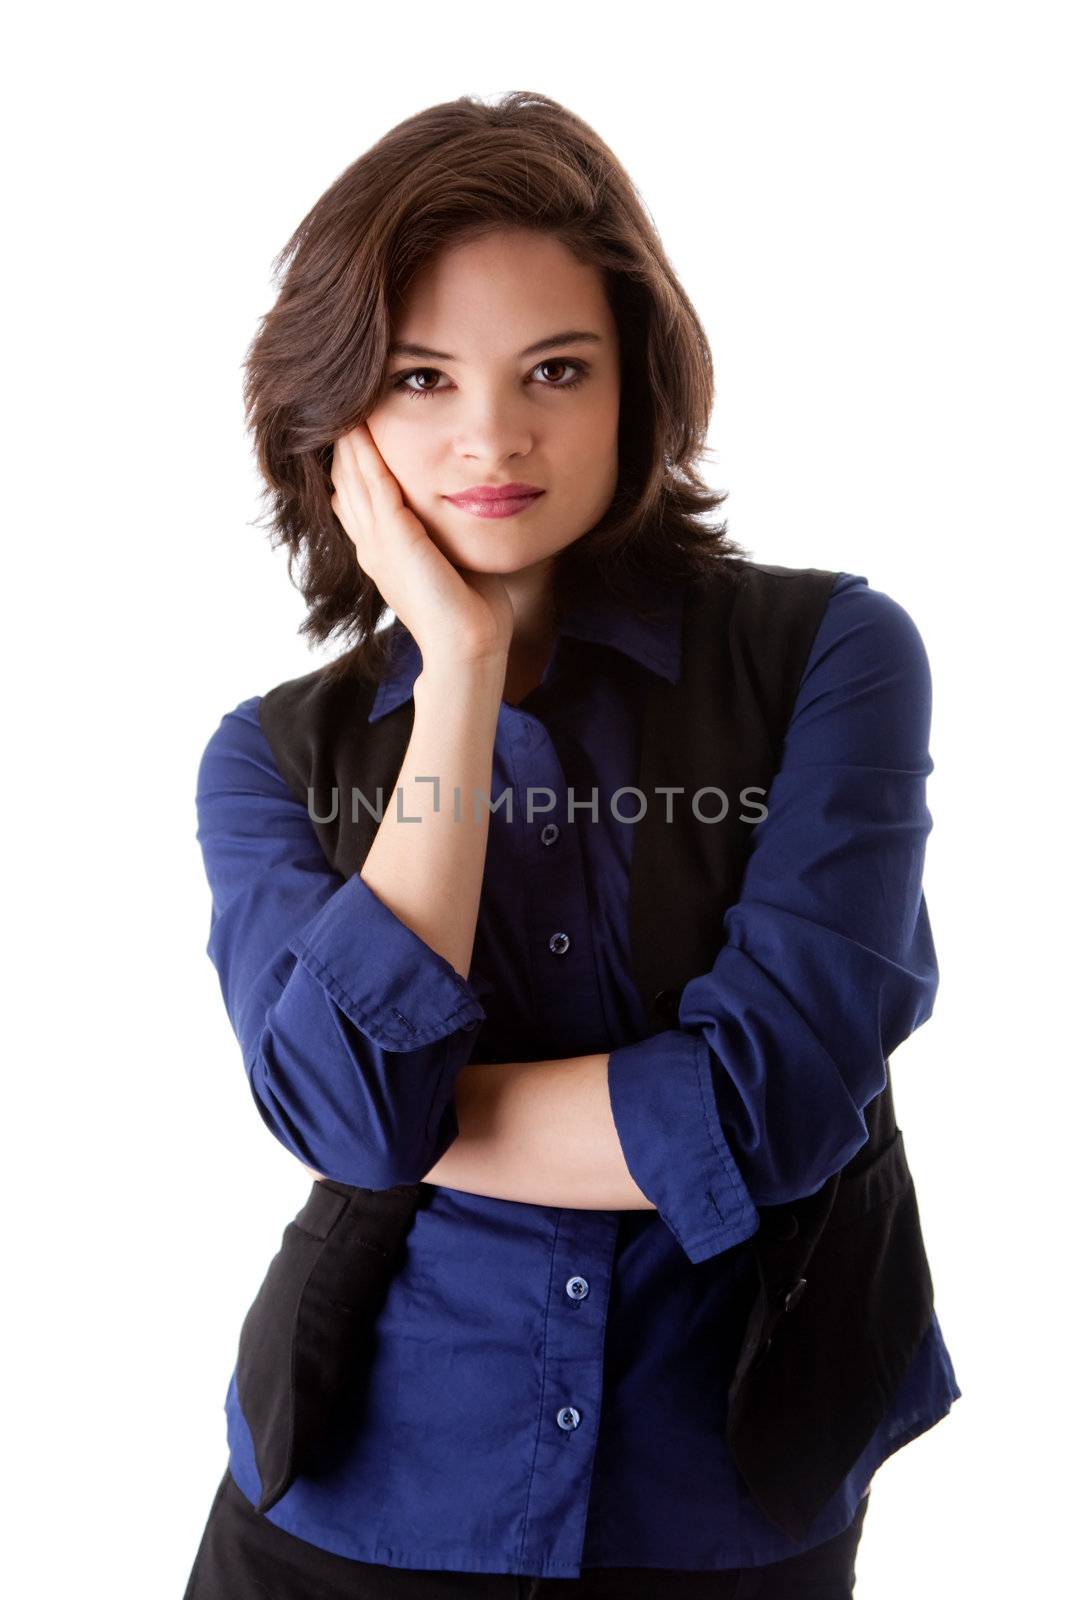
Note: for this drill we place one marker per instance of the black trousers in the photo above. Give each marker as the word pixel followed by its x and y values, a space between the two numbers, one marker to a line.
pixel 243 1556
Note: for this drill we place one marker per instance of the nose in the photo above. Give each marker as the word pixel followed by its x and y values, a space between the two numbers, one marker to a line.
pixel 491 428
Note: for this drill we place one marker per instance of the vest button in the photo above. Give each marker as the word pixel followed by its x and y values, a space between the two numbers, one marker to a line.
pixel 665 1003
pixel 567 1417
pixel 787 1227
pixel 549 833
pixel 559 944
pixel 790 1299
pixel 577 1288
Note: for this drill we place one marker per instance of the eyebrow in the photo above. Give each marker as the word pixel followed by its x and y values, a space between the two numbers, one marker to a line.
pixel 569 336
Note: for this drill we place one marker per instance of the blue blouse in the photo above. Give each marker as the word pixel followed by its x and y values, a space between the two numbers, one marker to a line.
pixel 547 1389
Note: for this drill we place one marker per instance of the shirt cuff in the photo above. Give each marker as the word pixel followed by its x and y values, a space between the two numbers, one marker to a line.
pixel 386 980
pixel 663 1104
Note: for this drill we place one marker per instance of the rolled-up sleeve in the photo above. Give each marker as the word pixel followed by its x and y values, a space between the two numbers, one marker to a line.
pixel 757 1097
pixel 351 1027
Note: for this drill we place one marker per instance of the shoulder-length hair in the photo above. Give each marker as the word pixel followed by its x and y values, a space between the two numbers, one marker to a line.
pixel 317 364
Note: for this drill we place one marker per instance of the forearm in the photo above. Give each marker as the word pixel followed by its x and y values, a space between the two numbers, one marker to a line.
pixel 429 871
pixel 541 1132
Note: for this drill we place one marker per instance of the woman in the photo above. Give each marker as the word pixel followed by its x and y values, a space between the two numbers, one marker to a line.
pixel 442 1022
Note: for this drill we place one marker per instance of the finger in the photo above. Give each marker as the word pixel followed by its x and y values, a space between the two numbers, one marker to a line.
pixel 351 495
pixel 383 488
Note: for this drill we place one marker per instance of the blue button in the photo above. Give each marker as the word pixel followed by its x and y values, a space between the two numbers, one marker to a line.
pixel 549 833
pixel 577 1288
pixel 559 944
pixel 568 1417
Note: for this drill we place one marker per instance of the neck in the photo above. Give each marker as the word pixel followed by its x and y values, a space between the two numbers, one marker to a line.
pixel 530 593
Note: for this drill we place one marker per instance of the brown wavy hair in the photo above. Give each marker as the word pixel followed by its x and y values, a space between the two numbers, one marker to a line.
pixel 317 364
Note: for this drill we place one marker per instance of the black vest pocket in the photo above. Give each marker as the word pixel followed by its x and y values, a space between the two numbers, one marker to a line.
pixel 305 1338
pixel 840 1346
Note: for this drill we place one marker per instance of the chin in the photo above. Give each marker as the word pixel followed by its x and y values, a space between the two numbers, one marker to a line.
pixel 502 566
pixel 488 551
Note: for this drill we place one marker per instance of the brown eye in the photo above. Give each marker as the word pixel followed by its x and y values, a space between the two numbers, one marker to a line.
pixel 422 392
pixel 400 382
pixel 581 372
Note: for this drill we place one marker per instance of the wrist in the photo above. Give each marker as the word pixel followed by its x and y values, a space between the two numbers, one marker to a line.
pixel 462 675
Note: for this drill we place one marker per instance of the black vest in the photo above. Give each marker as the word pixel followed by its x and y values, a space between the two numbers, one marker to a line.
pixel 845 1295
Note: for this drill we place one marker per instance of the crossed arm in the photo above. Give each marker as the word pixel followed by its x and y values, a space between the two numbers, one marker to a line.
pixel 541 1132
pixel 356 1029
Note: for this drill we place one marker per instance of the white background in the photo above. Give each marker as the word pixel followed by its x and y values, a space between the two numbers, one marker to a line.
pixel 865 204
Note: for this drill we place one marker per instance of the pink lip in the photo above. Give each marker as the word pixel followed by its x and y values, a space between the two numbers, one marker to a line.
pixel 504 500
pixel 495 491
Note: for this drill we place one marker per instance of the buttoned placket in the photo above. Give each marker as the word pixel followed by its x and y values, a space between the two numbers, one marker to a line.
pixel 566 997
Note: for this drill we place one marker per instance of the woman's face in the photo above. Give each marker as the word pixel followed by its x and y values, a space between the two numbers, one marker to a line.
pixel 476 404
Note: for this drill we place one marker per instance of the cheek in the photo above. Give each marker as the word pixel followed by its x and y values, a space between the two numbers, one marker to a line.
pixel 603 417
pixel 399 447
pixel 592 424
pixel 383 431
pixel 594 441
